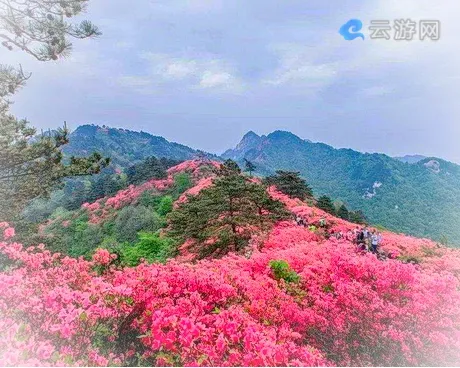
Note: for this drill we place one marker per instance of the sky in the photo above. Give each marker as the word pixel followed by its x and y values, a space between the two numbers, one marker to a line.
pixel 204 72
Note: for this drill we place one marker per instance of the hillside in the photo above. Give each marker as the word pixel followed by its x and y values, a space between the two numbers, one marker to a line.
pixel 421 199
pixel 294 296
pixel 411 159
pixel 124 147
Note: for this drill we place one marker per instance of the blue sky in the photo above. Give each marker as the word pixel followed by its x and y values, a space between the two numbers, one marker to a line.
pixel 203 73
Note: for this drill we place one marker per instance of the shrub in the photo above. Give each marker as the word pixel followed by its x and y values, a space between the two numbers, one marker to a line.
pixel 182 182
pixel 165 206
pixel 132 219
pixel 282 270
pixel 151 247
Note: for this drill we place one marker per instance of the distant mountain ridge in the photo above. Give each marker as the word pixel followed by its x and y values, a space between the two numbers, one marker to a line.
pixel 411 159
pixel 124 147
pixel 421 199
pixel 416 195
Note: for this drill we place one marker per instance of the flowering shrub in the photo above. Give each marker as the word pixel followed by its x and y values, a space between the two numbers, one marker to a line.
pixel 343 309
pixel 297 299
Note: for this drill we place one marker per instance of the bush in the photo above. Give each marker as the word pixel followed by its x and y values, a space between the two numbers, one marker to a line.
pixel 149 199
pixel 165 206
pixel 282 270
pixel 86 238
pixel 182 182
pixel 132 219
pixel 151 247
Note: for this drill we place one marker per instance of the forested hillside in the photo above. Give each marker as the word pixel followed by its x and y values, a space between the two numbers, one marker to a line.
pixel 421 199
pixel 124 147
pixel 222 275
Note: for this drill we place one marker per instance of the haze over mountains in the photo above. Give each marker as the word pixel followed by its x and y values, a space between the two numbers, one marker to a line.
pixel 413 194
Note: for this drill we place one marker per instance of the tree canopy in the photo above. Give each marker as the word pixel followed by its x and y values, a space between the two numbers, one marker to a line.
pixel 32 166
pixel 222 218
pixel 249 166
pixel 41 27
pixel 290 183
pixel 325 203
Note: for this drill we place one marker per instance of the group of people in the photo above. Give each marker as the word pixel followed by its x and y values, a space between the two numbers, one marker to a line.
pixel 364 238
pixel 367 240
pixel 322 223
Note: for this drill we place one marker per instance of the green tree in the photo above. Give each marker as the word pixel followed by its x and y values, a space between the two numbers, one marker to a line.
pixel 222 218
pixel 151 246
pixel 165 206
pixel 290 183
pixel 343 212
pixel 31 166
pixel 250 167
pixel 150 168
pixel 182 182
pixel 325 203
pixel 132 219
pixel 40 27
pixel 358 217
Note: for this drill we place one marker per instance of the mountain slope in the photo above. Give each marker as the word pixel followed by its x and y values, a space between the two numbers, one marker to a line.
pixel 411 159
pixel 421 199
pixel 124 147
pixel 294 296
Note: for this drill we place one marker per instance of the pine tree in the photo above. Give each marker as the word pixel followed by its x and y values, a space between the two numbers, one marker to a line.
pixel 290 183
pixel 32 166
pixel 250 167
pixel 325 203
pixel 150 168
pixel 223 217
pixel 343 212
pixel 358 217
pixel 40 27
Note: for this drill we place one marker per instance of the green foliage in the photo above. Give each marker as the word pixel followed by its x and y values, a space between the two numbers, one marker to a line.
pixel 410 259
pixel 380 227
pixel 357 217
pixel 249 166
pixel 150 168
pixel 325 203
pixel 41 29
pixel 125 148
pixel 77 191
pixel 343 212
pixel 223 217
pixel 182 182
pixel 165 206
pixel 409 198
pixel 121 229
pixel 444 240
pixel 151 246
pixel 282 271
pixel 290 183
pixel 132 219
pixel 32 167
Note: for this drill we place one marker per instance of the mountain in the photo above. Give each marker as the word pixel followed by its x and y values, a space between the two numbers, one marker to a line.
pixel 124 147
pixel 411 159
pixel 421 199
pixel 120 282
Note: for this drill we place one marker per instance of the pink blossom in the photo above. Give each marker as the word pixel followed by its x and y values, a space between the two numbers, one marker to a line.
pixel 8 233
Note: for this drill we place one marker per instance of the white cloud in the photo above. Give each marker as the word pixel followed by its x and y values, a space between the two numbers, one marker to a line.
pixel 298 66
pixel 211 79
pixel 191 73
